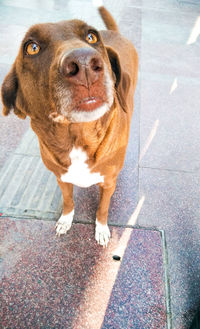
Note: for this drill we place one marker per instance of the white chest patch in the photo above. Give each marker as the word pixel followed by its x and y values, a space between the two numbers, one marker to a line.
pixel 78 172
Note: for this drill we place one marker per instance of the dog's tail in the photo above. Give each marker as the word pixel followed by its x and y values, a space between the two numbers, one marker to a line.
pixel 105 15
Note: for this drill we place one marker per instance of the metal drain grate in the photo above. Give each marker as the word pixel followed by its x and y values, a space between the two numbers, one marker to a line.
pixel 28 189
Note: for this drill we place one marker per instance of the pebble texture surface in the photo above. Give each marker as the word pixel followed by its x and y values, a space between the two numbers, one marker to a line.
pixel 71 282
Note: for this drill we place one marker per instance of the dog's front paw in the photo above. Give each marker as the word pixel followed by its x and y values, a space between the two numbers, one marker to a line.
pixel 102 234
pixel 64 223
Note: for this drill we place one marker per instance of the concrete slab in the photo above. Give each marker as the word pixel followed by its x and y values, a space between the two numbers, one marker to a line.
pixel 71 282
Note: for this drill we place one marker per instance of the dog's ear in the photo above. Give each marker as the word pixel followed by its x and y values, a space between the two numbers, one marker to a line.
pixel 122 79
pixel 9 93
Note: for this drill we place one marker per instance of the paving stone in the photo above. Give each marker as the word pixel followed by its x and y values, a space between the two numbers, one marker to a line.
pixel 171 202
pixel 12 130
pixel 170 133
pixel 71 282
pixel 167 47
pixel 172 5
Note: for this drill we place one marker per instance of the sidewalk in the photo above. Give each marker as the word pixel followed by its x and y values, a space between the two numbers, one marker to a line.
pixel 71 282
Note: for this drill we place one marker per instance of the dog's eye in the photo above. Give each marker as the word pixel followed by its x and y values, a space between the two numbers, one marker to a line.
pixel 32 48
pixel 91 38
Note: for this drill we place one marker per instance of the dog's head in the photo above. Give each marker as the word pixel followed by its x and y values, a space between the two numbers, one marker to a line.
pixel 62 71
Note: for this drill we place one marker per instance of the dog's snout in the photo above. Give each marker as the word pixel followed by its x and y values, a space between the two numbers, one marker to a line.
pixel 82 66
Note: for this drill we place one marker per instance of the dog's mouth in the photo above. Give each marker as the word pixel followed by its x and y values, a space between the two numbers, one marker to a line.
pixel 87 109
pixel 89 104
pixel 80 104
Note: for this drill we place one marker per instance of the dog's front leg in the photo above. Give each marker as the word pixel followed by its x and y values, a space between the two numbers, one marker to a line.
pixel 102 232
pixel 65 221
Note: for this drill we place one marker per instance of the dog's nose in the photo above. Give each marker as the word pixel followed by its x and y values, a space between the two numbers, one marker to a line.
pixel 82 66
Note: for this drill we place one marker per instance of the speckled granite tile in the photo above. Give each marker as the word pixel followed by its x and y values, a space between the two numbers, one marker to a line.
pixel 172 203
pixel 172 5
pixel 170 62
pixel 170 133
pixel 27 16
pixel 130 26
pixel 146 309
pixel 170 43
pixel 173 29
pixel 71 282
pixel 12 131
pixel 4 68
pixel 9 49
pixel 48 12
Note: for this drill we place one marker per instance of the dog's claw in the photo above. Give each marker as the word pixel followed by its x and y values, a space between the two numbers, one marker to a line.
pixel 62 229
pixel 102 234
pixel 64 224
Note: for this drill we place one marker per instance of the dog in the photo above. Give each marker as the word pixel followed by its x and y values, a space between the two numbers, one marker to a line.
pixel 77 85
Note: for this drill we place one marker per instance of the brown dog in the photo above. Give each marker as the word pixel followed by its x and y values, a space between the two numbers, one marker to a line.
pixel 76 84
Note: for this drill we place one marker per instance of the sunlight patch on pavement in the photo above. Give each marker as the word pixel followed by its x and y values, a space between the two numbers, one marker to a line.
pixel 149 139
pixel 97 294
pixel 195 32
pixel 173 86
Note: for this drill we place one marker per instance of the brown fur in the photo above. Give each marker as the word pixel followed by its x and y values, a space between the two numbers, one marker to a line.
pixel 30 89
